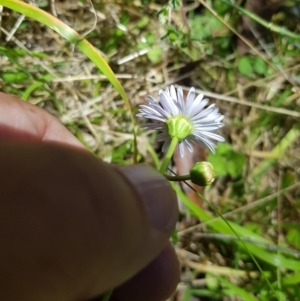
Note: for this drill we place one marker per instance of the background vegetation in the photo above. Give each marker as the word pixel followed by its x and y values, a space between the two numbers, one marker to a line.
pixel 243 55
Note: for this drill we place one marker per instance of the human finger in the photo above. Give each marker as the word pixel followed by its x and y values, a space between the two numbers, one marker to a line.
pixel 72 227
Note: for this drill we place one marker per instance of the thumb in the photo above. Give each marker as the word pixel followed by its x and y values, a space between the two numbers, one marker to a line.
pixel 72 227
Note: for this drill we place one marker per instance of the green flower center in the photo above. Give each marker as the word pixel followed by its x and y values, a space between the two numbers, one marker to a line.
pixel 179 127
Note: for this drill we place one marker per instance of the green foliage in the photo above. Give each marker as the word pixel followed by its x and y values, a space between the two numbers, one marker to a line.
pixel 235 290
pixel 204 33
pixel 260 66
pixel 293 237
pixel 220 7
pixel 248 66
pixel 14 77
pixel 204 27
pixel 120 153
pixel 213 282
pixel 155 55
pixel 226 161
pixel 245 66
pixel 163 13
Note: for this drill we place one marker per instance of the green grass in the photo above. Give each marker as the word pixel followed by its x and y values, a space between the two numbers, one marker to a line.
pixel 254 254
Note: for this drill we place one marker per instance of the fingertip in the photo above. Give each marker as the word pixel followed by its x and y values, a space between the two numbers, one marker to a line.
pixel 156 282
pixel 155 192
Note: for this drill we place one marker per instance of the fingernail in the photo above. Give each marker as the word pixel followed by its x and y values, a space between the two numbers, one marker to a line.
pixel 157 195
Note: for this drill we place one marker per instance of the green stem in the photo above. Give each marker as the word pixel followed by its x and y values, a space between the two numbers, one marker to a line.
pixel 178 178
pixel 168 156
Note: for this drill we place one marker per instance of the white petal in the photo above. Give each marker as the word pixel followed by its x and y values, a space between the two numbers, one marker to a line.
pixel 188 145
pixel 180 108
pixel 181 149
pixel 200 123
pixel 206 128
pixel 198 141
pixel 149 110
pixel 208 110
pixel 163 112
pixel 190 98
pixel 168 104
pixel 220 118
pixel 208 144
pixel 208 114
pixel 150 100
pixel 173 93
pixel 213 136
pixel 197 106
pixel 203 120
pixel 148 116
pixel 180 98
pixel 153 126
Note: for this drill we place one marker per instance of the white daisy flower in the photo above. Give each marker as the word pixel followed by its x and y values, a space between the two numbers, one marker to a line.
pixel 188 121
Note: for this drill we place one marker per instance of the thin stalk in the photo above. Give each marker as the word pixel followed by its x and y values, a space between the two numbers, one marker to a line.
pixel 178 178
pixel 168 156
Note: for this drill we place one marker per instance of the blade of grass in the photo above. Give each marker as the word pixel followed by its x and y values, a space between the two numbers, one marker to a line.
pixel 13 59
pixel 268 25
pixel 82 44
pixel 234 290
pixel 30 89
pixel 278 151
pixel 291 280
pixel 200 293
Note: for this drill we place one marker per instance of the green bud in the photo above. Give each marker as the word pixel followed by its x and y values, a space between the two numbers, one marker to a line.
pixel 202 173
pixel 179 127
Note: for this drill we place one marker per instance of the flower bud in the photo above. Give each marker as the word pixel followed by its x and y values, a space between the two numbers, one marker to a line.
pixel 202 174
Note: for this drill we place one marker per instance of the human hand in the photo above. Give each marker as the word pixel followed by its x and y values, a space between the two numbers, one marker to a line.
pixel 72 227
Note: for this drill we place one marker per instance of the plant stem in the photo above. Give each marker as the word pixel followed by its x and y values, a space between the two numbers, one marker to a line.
pixel 168 156
pixel 178 178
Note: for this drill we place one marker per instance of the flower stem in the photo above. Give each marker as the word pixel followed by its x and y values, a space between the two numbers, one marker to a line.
pixel 178 178
pixel 168 156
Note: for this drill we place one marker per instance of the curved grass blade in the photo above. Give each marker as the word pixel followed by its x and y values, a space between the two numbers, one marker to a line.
pixel 278 151
pixel 234 290
pixel 291 280
pixel 69 34
pixel 268 25
pixel 82 44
